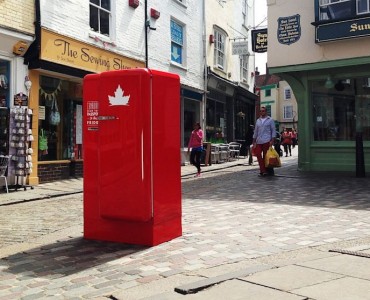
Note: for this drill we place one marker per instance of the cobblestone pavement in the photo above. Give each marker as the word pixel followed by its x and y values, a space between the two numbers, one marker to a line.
pixel 229 220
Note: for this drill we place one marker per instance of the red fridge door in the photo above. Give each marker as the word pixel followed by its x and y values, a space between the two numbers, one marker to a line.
pixel 124 143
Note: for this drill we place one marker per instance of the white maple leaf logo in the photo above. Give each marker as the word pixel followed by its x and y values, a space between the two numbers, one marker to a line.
pixel 119 98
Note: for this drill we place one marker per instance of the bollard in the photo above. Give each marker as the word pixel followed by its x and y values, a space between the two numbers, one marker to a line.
pixel 360 161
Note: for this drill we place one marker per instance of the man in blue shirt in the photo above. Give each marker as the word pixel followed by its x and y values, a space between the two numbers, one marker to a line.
pixel 263 138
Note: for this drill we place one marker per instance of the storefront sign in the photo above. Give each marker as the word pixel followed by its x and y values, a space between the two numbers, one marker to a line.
pixel 289 29
pixel 66 51
pixel 343 30
pixel 20 99
pixel 240 48
pixel 259 40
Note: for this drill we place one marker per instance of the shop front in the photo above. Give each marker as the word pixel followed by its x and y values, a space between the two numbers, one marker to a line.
pixel 230 110
pixel 56 100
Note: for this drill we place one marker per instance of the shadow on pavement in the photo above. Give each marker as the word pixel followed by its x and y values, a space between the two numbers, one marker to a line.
pixel 64 258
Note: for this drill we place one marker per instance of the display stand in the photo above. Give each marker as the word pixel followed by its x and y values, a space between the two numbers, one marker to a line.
pixel 20 145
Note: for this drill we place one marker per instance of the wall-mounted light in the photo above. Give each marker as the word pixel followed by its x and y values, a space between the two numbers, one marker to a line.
pixel 133 3
pixel 329 84
pixel 155 14
pixel 20 48
pixel 211 39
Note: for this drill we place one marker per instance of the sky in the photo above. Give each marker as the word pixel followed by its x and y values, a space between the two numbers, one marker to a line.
pixel 260 15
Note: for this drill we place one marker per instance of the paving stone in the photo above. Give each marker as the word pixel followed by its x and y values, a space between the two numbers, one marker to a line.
pixel 341 289
pixel 291 277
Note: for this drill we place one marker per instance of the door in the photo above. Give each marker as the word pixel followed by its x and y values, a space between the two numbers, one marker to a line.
pixel 124 144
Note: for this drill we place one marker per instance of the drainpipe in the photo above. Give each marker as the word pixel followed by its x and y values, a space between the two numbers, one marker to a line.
pixel 204 121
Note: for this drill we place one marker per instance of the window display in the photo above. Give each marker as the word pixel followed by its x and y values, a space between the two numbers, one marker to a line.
pixel 4 83
pixel 60 114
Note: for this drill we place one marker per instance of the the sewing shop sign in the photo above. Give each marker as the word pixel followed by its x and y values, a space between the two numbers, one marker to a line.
pixel 289 29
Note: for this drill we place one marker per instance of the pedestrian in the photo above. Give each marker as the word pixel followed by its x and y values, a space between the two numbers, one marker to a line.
pixel 249 142
pixel 196 145
pixel 294 138
pixel 287 142
pixel 263 138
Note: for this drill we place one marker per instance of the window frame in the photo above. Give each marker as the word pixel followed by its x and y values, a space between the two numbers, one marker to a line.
pixel 179 45
pixel 244 66
pixel 288 112
pixel 220 49
pixel 109 12
pixel 287 90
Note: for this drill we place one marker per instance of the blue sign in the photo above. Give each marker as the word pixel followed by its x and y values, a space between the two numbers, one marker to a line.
pixel 289 29
pixel 177 42
pixel 343 30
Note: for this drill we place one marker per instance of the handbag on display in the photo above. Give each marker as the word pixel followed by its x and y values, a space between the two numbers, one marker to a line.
pixel 54 117
pixel 43 141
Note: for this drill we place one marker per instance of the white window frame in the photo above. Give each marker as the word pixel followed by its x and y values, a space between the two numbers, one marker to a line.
pixel 180 46
pixel 245 11
pixel 365 11
pixel 100 8
pixel 288 112
pixel 220 49
pixel 244 64
pixel 325 3
pixel 287 93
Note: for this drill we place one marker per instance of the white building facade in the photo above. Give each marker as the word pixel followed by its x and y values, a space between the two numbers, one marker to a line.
pixel 75 38
pixel 230 102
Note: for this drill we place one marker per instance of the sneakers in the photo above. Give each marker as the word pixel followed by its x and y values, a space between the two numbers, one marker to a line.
pixel 262 174
pixel 197 175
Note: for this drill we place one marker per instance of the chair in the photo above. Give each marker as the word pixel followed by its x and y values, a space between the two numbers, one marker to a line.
pixel 234 150
pixel 224 152
pixel 215 153
pixel 4 160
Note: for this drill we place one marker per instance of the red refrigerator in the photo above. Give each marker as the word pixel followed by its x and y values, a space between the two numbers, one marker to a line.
pixel 132 176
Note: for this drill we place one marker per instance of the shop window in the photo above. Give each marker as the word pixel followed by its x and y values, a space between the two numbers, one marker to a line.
pixel 177 42
pixel 64 138
pixel 339 112
pixel 4 83
pixel 100 15
pixel 191 116
pixel 219 52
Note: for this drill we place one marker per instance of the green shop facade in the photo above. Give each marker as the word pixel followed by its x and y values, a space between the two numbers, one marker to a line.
pixel 328 68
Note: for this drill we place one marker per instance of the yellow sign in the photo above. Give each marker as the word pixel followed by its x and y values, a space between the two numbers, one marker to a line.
pixel 66 51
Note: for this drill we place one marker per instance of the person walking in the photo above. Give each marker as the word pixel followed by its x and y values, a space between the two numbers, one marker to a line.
pixel 263 138
pixel 294 138
pixel 249 142
pixel 287 142
pixel 196 145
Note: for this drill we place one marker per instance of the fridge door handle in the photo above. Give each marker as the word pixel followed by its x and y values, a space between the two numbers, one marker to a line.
pixel 107 118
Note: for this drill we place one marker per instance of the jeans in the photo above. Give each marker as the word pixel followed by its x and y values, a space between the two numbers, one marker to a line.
pixel 260 151
pixel 195 156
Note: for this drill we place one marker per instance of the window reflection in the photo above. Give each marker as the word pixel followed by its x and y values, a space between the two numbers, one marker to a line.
pixel 341 111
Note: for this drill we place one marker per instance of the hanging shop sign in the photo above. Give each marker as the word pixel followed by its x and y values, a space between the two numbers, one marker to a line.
pixel 259 40
pixel 240 48
pixel 66 51
pixel 289 29
pixel 343 30
pixel 20 99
